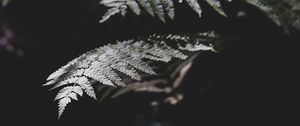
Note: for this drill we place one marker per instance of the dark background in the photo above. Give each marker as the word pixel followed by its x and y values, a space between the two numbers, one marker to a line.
pixel 252 81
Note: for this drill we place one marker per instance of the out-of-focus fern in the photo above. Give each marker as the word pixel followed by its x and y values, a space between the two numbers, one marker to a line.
pixel 283 12
pixel 159 8
pixel 4 2
pixel 110 64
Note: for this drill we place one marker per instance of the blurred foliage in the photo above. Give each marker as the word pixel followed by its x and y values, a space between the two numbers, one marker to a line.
pixel 284 12
pixel 4 2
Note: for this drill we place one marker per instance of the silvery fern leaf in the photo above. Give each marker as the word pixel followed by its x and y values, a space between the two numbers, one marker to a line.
pixel 195 6
pixel 216 4
pixel 62 105
pixel 134 6
pixel 109 65
pixel 65 95
pixel 89 90
pixel 153 7
pixel 117 6
pixel 159 8
pixel 147 6
pixel 110 12
pixel 169 7
pixel 168 72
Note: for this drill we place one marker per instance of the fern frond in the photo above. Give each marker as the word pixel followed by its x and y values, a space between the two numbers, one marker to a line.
pixel 130 57
pixel 153 7
pixel 159 8
pixel 284 13
pixel 192 45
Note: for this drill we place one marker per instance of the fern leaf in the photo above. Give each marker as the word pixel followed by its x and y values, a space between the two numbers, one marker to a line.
pixel 284 13
pixel 65 95
pixel 72 96
pixel 110 12
pixel 217 6
pixel 67 90
pixel 102 67
pixel 195 6
pixel 62 105
pixel 169 8
pixel 70 80
pixel 62 70
pixel 130 57
pixel 185 43
pixel 89 90
pixel 126 69
pixel 267 9
pixel 133 5
pixel 195 47
pixel 158 9
pixel 147 6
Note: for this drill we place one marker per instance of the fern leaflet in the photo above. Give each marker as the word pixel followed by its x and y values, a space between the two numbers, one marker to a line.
pixel 216 4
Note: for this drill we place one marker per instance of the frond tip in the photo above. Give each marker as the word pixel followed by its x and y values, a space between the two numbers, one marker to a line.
pixel 65 95
pixel 216 4
pixel 195 6
pixel 106 65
